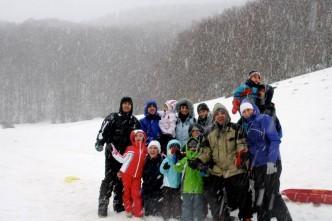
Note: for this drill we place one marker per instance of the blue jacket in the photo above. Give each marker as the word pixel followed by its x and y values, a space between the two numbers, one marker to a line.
pixel 172 178
pixel 150 123
pixel 262 138
pixel 248 90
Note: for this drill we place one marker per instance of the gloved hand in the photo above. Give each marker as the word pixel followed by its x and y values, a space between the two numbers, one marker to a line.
pixel 240 157
pixel 178 154
pixel 271 168
pixel 195 164
pixel 99 147
pixel 236 105
pixel 166 166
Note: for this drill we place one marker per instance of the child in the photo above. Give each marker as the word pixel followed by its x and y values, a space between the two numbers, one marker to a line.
pixel 171 182
pixel 192 185
pixel 247 90
pixel 131 172
pixel 167 124
pixel 152 180
pixel 204 117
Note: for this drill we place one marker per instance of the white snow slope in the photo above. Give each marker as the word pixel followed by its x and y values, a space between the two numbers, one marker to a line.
pixel 35 159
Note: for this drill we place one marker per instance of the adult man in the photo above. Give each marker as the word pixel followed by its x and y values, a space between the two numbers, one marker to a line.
pixel 265 162
pixel 223 145
pixel 115 129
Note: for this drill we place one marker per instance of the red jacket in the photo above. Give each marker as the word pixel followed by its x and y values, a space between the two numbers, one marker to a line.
pixel 133 158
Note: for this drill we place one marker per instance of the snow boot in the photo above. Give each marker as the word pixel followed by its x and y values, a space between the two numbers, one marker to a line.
pixel 103 207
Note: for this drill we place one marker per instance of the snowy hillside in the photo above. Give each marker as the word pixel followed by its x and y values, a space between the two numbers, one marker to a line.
pixel 37 159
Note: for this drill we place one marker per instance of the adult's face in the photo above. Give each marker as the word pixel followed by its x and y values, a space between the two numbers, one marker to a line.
pixel 203 114
pixel 184 109
pixel 152 110
pixel 126 107
pixel 247 113
pixel 220 117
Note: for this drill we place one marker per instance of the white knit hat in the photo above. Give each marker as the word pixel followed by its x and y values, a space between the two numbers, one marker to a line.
pixel 245 106
pixel 155 143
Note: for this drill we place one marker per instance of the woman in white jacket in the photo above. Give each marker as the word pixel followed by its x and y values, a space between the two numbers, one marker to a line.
pixel 167 124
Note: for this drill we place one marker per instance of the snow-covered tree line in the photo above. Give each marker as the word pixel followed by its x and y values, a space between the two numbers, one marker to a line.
pixel 66 72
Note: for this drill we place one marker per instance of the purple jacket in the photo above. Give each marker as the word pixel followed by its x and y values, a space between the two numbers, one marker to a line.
pixel 262 138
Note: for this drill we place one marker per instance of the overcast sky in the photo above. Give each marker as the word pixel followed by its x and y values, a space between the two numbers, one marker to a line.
pixel 74 10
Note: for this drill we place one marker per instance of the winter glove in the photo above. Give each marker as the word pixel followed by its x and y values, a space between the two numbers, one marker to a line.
pixel 178 154
pixel 271 168
pixel 240 157
pixel 236 105
pixel 195 164
pixel 99 147
pixel 166 166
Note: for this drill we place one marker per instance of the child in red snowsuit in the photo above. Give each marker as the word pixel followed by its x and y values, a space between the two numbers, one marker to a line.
pixel 131 172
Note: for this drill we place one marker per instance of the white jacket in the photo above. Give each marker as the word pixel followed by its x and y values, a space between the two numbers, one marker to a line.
pixel 168 119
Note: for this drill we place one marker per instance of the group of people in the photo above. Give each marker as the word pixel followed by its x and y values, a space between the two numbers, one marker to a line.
pixel 171 165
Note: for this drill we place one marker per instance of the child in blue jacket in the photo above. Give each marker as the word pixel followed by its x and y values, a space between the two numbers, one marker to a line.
pixel 172 181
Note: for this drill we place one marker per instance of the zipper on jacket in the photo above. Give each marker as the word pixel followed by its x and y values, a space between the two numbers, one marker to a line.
pixel 139 158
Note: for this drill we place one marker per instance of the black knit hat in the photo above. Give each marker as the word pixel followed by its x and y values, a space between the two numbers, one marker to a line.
pixel 202 106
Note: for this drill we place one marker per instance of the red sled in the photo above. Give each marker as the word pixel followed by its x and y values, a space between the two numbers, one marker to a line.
pixel 309 195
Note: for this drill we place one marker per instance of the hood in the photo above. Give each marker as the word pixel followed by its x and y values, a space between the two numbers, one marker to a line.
pixel 171 105
pixel 170 143
pixel 217 107
pixel 133 133
pixel 191 154
pixel 149 103
pixel 126 99
pixel 186 102
pixel 195 125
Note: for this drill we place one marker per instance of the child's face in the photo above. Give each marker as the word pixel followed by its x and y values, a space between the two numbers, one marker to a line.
pixel 153 151
pixel 165 107
pixel 193 148
pixel 256 78
pixel 195 133
pixel 203 114
pixel 139 137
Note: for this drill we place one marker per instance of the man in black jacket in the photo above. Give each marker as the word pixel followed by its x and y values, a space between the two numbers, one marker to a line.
pixel 115 129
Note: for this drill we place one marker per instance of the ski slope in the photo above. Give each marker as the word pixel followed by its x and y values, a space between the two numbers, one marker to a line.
pixel 36 159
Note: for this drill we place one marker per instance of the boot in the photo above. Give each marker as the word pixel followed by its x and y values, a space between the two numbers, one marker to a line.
pixel 103 207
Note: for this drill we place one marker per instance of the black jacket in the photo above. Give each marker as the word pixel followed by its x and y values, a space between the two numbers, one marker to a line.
pixel 152 178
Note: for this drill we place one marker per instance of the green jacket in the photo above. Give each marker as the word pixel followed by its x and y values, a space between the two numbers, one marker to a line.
pixel 221 147
pixel 192 180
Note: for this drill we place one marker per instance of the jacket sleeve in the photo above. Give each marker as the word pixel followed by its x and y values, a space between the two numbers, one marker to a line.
pixel 162 170
pixel 238 91
pixel 142 125
pixel 179 166
pixel 104 130
pixel 272 137
pixel 205 155
pixel 125 158
pixel 241 143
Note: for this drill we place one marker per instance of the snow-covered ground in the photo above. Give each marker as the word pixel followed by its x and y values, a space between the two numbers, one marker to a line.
pixel 36 159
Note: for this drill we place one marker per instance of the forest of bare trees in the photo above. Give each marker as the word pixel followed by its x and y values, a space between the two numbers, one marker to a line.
pixel 61 71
